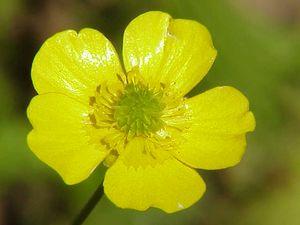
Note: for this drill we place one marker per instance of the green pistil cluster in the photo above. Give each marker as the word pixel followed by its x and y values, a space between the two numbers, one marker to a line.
pixel 139 110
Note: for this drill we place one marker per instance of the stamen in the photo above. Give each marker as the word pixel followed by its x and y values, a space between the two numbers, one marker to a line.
pixel 138 109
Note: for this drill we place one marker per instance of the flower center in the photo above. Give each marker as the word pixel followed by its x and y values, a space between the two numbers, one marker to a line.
pixel 138 110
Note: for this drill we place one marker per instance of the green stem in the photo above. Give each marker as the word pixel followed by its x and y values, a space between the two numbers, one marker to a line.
pixel 89 206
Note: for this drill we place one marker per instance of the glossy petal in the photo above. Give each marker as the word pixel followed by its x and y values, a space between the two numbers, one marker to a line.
pixel 60 136
pixel 75 64
pixel 216 138
pixel 169 51
pixel 168 185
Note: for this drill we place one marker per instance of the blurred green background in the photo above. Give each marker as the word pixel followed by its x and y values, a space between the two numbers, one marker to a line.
pixel 258 43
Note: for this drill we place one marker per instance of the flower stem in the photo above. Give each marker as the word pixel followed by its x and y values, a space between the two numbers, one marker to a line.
pixel 89 206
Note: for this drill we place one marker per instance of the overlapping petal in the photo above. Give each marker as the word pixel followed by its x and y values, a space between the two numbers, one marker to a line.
pixel 174 52
pixel 142 183
pixel 216 138
pixel 60 136
pixel 75 63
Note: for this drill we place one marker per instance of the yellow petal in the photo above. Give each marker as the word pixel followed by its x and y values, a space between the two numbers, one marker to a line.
pixel 75 64
pixel 60 137
pixel 169 51
pixel 139 183
pixel 216 138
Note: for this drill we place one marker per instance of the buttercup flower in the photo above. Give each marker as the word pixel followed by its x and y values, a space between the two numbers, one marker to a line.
pixel 136 120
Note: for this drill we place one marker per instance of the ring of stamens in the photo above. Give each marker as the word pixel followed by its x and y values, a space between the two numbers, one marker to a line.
pixel 136 109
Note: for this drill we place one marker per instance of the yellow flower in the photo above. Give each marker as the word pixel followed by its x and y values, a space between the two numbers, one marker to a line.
pixel 137 121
